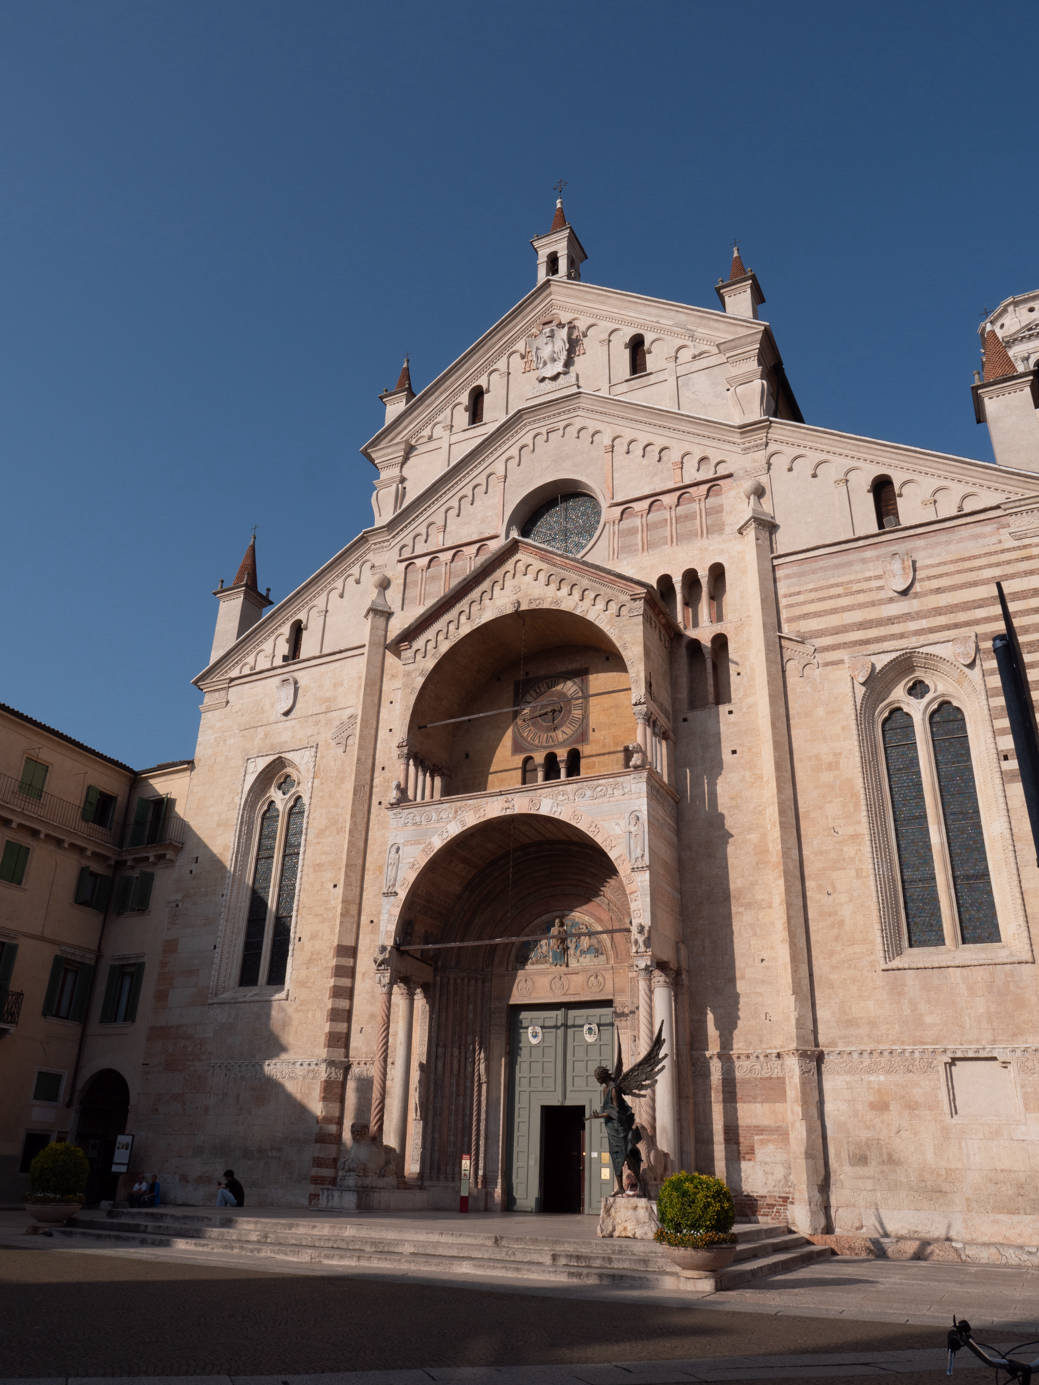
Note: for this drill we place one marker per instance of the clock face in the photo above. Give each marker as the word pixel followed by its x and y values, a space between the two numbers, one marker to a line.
pixel 552 711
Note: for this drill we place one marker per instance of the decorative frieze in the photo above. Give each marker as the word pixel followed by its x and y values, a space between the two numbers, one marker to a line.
pixel 280 1069
pixel 858 1062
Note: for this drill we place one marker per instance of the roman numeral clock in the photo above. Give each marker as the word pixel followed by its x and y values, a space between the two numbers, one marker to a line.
pixel 551 712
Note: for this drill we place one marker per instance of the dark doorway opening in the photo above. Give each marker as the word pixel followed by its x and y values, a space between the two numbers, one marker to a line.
pixel 562 1158
pixel 102 1116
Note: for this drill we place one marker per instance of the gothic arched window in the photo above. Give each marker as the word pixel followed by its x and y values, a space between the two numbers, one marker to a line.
pixel 943 873
pixel 272 893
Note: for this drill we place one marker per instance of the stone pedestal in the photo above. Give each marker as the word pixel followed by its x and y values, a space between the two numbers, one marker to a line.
pixel 633 1217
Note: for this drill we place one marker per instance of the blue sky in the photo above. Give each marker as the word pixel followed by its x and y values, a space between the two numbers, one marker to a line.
pixel 224 222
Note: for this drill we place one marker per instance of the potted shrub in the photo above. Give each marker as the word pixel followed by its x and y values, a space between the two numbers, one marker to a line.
pixel 57 1182
pixel 696 1214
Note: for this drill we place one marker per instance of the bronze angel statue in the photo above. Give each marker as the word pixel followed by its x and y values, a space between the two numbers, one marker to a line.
pixel 622 1134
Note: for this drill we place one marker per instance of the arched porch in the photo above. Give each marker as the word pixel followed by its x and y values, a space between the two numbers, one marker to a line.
pixel 513 971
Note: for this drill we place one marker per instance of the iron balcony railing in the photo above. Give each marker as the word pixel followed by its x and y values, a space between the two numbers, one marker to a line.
pixel 61 813
pixel 58 811
pixel 10 1008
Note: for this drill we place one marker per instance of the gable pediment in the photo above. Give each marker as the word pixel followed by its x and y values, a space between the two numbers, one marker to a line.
pixel 522 575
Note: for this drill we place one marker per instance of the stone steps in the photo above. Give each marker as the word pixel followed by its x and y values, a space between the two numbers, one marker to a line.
pixel 408 1249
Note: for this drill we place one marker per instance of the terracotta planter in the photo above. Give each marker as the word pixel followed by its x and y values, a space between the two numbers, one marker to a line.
pixel 709 1260
pixel 53 1213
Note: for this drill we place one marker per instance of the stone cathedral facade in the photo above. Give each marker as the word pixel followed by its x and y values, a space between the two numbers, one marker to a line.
pixel 642 702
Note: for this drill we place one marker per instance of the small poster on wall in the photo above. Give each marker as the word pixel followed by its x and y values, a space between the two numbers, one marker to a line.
pixel 121 1156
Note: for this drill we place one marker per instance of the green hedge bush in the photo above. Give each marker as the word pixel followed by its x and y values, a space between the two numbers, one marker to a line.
pixel 59 1173
pixel 695 1210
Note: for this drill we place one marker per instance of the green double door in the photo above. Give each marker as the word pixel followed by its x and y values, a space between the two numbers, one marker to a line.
pixel 559 1160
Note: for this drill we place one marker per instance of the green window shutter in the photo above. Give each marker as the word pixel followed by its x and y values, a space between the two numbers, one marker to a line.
pixel 49 1000
pixel 142 892
pixel 8 952
pixel 85 886
pixel 141 819
pixel 135 993
pixel 123 893
pixel 111 995
pixel 13 862
pixel 90 803
pixel 102 892
pixel 82 996
pixel 34 776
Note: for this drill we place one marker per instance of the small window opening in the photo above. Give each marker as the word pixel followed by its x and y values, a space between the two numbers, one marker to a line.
pixel 716 593
pixel 668 595
pixel 475 405
pixel 573 763
pixel 552 264
pixel 551 766
pixel 692 598
pixel 295 641
pixel 885 503
pixel 637 355
pixel 530 770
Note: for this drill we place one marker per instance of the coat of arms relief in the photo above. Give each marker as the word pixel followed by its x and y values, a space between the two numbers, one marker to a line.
pixel 551 351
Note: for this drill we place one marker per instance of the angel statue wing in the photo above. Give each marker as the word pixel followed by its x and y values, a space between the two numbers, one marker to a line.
pixel 641 1076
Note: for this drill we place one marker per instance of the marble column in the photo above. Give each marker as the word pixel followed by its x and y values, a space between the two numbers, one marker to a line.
pixel 667 1085
pixel 382 1054
pixel 397 1114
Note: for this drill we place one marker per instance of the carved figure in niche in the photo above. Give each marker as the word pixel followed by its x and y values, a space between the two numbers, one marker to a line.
pixel 557 941
pixel 636 839
pixel 568 942
pixel 636 756
pixel 397 796
pixel 392 867
pixel 622 1134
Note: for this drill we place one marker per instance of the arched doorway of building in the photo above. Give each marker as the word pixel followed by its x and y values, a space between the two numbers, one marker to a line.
pixel 103 1108
pixel 523 925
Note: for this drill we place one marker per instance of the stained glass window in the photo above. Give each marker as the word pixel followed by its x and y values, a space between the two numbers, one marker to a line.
pixel 268 924
pixel 923 912
pixel 256 920
pixel 567 523
pixel 281 929
pixel 970 876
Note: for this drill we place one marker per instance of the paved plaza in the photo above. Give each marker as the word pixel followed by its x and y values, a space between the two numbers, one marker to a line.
pixel 74 1313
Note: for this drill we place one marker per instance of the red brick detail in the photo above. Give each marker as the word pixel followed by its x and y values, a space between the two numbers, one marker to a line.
pixel 995 361
pixel 773 1207
pixel 738 269
pixel 559 221
pixel 246 574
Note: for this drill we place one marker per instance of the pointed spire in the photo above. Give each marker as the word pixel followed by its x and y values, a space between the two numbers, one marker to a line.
pixel 738 269
pixel 404 378
pixel 559 221
pixel 246 574
pixel 995 358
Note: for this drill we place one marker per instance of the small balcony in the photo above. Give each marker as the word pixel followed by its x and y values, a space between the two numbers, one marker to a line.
pixel 34 808
pixel 58 812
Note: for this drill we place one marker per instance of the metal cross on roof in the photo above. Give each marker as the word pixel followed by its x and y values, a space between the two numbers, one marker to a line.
pixel 559 187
